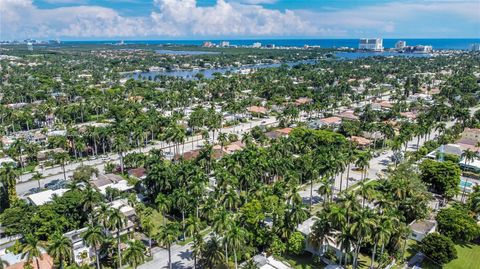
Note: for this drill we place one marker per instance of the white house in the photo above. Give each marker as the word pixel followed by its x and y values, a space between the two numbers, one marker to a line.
pixel 44 197
pixel 82 254
pixel 421 228
pixel 264 262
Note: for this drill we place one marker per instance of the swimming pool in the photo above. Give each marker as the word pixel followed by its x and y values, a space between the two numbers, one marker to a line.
pixel 465 184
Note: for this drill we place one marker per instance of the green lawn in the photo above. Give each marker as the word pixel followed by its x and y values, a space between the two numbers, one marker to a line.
pixel 157 219
pixel 468 257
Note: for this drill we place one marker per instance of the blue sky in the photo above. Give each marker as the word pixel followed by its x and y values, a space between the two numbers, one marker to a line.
pixel 204 19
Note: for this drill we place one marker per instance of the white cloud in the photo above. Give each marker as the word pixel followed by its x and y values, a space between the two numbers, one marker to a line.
pixel 233 18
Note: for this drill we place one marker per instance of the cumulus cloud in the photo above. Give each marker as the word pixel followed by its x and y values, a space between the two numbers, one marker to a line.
pixel 228 18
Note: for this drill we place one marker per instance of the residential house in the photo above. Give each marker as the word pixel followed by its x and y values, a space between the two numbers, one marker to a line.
pixel 45 261
pixel 421 228
pixel 257 110
pixel 111 181
pixel 82 254
pixel 349 115
pixel 360 141
pixel 264 262
pixel 44 197
pixel 128 212
pixel 330 122
pixel 306 228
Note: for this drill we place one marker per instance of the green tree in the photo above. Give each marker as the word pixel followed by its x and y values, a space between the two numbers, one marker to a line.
pixel 438 248
pixel 94 238
pixel 31 248
pixel 296 243
pixel 166 236
pixel 443 177
pixel 134 254
pixel 457 224
pixel 60 248
pixel 8 177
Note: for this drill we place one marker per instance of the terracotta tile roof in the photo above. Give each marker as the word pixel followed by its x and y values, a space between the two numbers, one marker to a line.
pixel 137 172
pixel 46 262
pixel 349 114
pixel 286 130
pixel 257 109
pixel 361 141
pixel 303 101
pixel 331 120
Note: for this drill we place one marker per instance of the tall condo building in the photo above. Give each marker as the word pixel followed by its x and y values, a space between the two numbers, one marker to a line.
pixel 257 45
pixel 374 44
pixel 400 45
pixel 475 47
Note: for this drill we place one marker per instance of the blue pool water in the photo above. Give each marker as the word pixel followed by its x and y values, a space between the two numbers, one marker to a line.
pixel 466 184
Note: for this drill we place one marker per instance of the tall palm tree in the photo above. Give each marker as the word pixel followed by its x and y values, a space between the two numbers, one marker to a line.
pixel 166 236
pixel 235 239
pixel 62 158
pixel 134 254
pixel 93 237
pixel 362 229
pixel 60 248
pixel 468 156
pixel 148 228
pixel 116 222
pixel 31 248
pixel 325 189
pixel 321 234
pixel 182 204
pixel 120 145
pixel 163 205
pixel 212 257
pixel 37 176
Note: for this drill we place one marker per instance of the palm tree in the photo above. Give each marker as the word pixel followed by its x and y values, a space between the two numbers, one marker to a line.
pixel 120 145
pixel 93 237
pixel 362 229
pixel 148 228
pixel 235 239
pixel 60 248
pixel 468 156
pixel 325 189
pixel 62 158
pixel 116 220
pixel 31 248
pixel 134 254
pixel 37 176
pixel 163 205
pixel 321 234
pixel 212 256
pixel 182 203
pixel 167 235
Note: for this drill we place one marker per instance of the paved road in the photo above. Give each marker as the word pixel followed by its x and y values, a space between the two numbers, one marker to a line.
pixel 53 173
pixel 181 258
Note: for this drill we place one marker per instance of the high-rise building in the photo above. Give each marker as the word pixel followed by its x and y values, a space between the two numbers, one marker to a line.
pixel 257 45
pixel 374 44
pixel 207 44
pixel 475 47
pixel 400 45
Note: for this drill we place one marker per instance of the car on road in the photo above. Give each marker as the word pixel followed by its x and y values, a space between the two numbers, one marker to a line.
pixel 51 184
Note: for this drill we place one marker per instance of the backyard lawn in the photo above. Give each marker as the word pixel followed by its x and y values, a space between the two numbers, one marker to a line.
pixel 468 257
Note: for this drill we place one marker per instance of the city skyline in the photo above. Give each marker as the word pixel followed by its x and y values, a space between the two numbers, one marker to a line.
pixel 236 19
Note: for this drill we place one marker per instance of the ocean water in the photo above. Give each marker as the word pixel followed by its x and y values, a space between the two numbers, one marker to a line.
pixel 437 43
